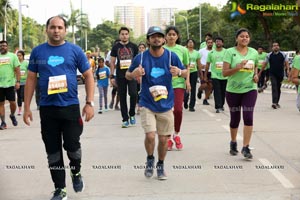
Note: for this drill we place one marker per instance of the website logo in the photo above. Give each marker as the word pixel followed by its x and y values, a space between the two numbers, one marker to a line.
pixel 236 10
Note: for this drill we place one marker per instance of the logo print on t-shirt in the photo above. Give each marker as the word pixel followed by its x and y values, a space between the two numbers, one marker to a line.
pixel 157 72
pixel 55 60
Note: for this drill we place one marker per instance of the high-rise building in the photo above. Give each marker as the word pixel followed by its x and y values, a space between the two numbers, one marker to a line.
pixel 161 17
pixel 131 16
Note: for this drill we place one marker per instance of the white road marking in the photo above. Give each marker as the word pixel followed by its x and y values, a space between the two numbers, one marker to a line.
pixel 208 113
pixel 279 176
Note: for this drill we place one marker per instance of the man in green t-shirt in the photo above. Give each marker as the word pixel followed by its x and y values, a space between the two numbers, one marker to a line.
pixel 9 81
pixel 215 61
pixel 261 73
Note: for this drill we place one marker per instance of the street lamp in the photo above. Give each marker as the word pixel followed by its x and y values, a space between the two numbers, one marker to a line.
pixel 187 26
pixel 5 10
pixel 20 25
pixel 200 22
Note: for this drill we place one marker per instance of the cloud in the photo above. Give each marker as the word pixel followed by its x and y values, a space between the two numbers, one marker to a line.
pixel 55 60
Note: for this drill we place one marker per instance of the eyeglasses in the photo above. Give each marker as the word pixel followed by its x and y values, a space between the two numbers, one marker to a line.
pixel 3 45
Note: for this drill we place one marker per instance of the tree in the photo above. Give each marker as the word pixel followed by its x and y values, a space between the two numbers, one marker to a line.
pixel 78 20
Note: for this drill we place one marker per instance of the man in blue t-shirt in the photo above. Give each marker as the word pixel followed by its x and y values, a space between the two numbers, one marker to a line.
pixel 156 67
pixel 56 62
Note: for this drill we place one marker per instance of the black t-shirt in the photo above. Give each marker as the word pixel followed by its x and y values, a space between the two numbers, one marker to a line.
pixel 276 61
pixel 124 54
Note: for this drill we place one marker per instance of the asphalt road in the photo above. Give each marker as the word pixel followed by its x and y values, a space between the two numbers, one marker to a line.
pixel 113 158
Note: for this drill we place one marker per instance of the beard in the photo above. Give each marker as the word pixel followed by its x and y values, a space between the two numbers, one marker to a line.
pixel 156 47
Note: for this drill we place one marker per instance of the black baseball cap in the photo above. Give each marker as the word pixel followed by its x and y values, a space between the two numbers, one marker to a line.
pixel 155 29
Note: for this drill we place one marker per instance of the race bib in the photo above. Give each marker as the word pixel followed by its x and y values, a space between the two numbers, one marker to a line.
pixel 124 64
pixel 219 65
pixel 159 92
pixel 57 84
pixel 192 65
pixel 23 73
pixel 248 67
pixel 102 75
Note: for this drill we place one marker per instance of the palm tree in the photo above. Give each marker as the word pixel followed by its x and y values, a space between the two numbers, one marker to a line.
pixel 78 20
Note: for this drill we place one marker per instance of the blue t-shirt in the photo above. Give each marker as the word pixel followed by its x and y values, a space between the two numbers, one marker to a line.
pixel 102 76
pixel 53 61
pixel 157 73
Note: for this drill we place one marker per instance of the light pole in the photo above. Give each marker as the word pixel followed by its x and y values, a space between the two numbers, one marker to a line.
pixel 187 26
pixel 200 22
pixel 20 24
pixel 5 10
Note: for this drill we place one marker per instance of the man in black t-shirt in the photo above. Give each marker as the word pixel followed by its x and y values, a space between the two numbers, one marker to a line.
pixel 124 51
pixel 278 61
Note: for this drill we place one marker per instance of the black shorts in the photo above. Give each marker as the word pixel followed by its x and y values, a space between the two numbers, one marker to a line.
pixel 7 94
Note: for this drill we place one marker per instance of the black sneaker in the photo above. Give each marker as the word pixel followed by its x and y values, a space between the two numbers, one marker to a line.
pixel 274 106
pixel 77 181
pixel 13 120
pixel 192 109
pixel 199 94
pixel 59 194
pixel 186 106
pixel 161 175
pixel 3 126
pixel 149 167
pixel 233 148
pixel 205 102
pixel 246 152
pixel 218 110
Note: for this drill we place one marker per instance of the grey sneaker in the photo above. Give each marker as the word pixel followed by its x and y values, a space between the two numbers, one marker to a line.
pixel 77 181
pixel 59 194
pixel 233 148
pixel 246 152
pixel 161 175
pixel 149 167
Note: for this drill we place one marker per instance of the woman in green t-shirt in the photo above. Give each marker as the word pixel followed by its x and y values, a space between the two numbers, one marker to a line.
pixel 23 72
pixel 240 66
pixel 179 83
pixel 296 76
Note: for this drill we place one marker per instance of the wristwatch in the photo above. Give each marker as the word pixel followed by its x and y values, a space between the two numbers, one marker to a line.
pixel 179 73
pixel 90 103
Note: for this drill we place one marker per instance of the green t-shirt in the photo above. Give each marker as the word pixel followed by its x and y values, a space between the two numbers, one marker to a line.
pixel 182 53
pixel 194 56
pixel 296 65
pixel 261 59
pixel 23 71
pixel 8 63
pixel 241 81
pixel 215 58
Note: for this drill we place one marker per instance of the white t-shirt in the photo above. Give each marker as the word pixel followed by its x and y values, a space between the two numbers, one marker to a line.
pixel 204 53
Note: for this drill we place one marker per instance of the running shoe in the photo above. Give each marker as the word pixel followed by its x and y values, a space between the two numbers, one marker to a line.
pixel 199 94
pixel 77 181
pixel 246 152
pixel 205 102
pixel 178 143
pixel 170 145
pixel 149 167
pixel 233 148
pixel 125 124
pixel 132 120
pixel 13 120
pixel 59 194
pixel 161 175
pixel 3 126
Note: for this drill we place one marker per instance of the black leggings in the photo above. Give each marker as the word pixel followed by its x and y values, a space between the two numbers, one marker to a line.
pixel 236 102
pixel 61 127
pixel 20 95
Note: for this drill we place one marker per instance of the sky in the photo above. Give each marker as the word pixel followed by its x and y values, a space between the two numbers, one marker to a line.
pixel 98 10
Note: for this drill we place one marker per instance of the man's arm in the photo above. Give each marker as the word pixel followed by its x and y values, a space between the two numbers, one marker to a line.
pixel 31 82
pixel 88 110
pixel 18 77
